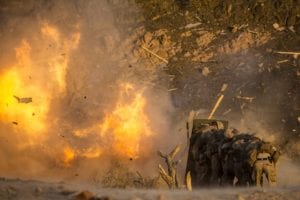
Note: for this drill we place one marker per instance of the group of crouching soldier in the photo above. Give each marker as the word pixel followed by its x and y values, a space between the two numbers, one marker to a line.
pixel 229 158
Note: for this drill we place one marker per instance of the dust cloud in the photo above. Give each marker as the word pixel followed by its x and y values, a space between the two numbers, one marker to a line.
pixel 253 101
pixel 73 58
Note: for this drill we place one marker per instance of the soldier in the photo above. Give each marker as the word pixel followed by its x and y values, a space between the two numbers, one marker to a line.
pixel 201 169
pixel 220 157
pixel 226 157
pixel 242 166
pixel 227 165
pixel 266 159
pixel 204 152
pixel 251 152
pixel 212 151
pixel 236 159
pixel 215 138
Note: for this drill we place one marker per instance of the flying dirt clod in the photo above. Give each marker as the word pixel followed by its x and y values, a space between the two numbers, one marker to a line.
pixel 23 100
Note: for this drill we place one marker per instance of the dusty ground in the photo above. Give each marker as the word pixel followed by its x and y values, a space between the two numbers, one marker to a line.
pixel 234 42
pixel 23 190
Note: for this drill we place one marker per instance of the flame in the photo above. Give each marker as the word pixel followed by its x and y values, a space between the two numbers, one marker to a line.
pixel 127 124
pixel 15 82
pixel 38 75
pixel 92 152
pixel 37 78
pixel 120 133
pixel 69 155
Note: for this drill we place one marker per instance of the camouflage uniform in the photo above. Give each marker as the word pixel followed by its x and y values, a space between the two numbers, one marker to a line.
pixel 266 158
pixel 218 157
pixel 202 167
pixel 241 169
pixel 200 173
pixel 251 151
pixel 204 151
pixel 237 163
pixel 215 139
pixel 244 165
pixel 226 157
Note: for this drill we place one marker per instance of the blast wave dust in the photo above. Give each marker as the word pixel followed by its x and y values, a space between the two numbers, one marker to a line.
pixel 88 104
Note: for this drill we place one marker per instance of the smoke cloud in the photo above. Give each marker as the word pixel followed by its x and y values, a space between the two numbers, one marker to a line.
pixel 73 58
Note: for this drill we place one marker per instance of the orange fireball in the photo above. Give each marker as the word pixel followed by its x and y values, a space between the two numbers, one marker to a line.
pixel 127 125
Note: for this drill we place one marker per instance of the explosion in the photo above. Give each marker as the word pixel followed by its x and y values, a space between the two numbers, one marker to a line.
pixel 121 131
pixel 15 83
pixel 38 78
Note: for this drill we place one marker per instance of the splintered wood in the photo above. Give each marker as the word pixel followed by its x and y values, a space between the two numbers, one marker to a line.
pixel 216 106
pixel 250 99
pixel 294 54
pixel 288 53
pixel 224 87
pixel 188 181
pixel 154 54
pixel 169 177
pixel 189 125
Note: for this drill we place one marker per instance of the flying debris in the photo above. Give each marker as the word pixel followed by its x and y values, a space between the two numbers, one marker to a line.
pixel 23 100
pixel 15 123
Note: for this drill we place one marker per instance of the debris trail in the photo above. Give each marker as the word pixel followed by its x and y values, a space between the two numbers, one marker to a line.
pixel 288 53
pixel 154 54
pixel 216 106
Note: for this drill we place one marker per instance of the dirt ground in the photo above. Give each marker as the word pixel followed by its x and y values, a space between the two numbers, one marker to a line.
pixel 26 190
pixel 234 42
